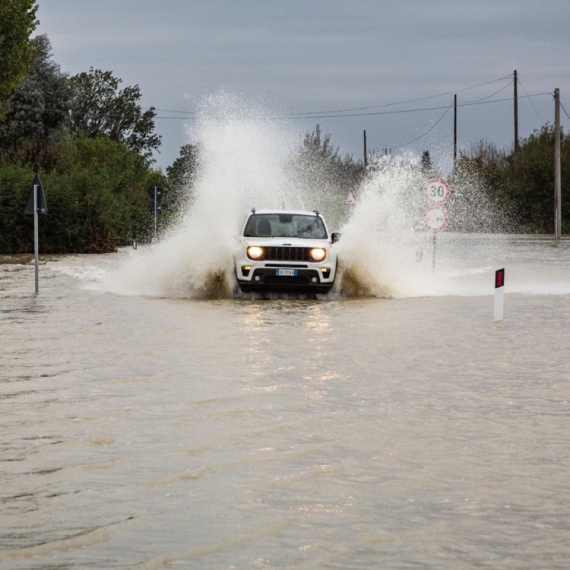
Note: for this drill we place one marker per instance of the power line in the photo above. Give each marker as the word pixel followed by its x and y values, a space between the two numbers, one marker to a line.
pixel 166 110
pixel 418 110
pixel 537 113
pixel 403 111
pixel 407 101
pixel 384 104
pixel 493 94
pixel 427 132
pixel 301 116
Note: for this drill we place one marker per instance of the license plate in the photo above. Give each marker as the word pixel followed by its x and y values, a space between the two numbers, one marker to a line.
pixel 287 272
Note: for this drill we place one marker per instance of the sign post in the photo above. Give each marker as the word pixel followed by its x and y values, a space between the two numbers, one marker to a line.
pixel 155 195
pixel 435 219
pixel 36 237
pixel 437 192
pixel 499 294
pixel 36 205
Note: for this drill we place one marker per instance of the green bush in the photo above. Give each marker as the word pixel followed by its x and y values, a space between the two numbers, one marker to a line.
pixel 96 192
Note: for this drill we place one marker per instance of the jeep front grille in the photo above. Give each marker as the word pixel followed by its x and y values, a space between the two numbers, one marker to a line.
pixel 287 254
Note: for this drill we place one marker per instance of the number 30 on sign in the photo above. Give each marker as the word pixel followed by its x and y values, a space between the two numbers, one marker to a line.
pixel 436 190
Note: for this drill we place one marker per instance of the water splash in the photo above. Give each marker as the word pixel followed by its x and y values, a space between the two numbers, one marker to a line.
pixel 245 160
pixel 240 165
pixel 377 252
pixel 386 250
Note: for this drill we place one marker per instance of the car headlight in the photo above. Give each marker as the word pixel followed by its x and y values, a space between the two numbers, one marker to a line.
pixel 318 253
pixel 254 252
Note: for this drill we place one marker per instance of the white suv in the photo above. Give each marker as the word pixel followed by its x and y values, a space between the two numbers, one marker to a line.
pixel 288 251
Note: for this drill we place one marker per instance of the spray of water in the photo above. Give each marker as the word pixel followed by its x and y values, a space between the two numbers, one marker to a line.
pixel 387 250
pixel 376 251
pixel 245 161
pixel 241 165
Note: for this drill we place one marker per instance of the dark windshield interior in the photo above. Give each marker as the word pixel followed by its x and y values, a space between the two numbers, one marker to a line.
pixel 285 225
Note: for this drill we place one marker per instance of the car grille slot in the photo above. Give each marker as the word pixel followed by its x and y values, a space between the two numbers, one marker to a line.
pixel 288 254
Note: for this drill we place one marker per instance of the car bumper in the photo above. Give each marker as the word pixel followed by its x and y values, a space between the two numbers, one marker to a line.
pixel 312 280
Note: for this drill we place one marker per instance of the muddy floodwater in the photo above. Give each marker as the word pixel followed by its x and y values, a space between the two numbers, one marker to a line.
pixel 409 432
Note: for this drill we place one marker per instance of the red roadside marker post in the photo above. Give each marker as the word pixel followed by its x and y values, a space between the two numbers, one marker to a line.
pixel 499 294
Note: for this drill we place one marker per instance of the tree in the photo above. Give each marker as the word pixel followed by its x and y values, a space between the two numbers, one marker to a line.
pixel 17 22
pixel 101 108
pixel 182 170
pixel 427 165
pixel 319 147
pixel 318 164
pixel 41 104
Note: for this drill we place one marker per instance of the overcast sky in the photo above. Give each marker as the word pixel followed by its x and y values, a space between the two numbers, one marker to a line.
pixel 327 55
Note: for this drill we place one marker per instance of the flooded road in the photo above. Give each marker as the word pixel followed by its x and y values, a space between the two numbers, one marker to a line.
pixel 411 432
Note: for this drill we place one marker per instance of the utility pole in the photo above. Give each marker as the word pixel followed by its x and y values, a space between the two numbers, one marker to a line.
pixel 455 131
pixel 365 153
pixel 516 102
pixel 557 170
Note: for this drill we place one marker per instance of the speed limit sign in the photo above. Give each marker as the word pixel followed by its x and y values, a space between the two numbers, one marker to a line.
pixel 436 190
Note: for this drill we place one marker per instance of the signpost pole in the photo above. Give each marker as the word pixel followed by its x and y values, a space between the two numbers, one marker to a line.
pixel 557 169
pixel 36 234
pixel 35 206
pixel 516 109
pixel 434 249
pixel 154 207
pixel 155 213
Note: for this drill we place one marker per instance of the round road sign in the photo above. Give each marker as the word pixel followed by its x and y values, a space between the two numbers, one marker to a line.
pixel 435 218
pixel 436 190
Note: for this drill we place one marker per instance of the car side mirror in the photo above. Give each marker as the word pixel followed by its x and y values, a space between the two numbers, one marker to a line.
pixel 335 236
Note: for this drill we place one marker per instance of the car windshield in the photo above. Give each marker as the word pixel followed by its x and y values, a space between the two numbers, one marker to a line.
pixel 285 225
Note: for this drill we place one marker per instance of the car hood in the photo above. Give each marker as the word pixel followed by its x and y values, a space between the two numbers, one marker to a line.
pixel 285 242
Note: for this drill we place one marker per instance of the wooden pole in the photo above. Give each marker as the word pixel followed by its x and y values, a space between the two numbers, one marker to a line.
pixel 516 104
pixel 557 168
pixel 365 152
pixel 454 131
